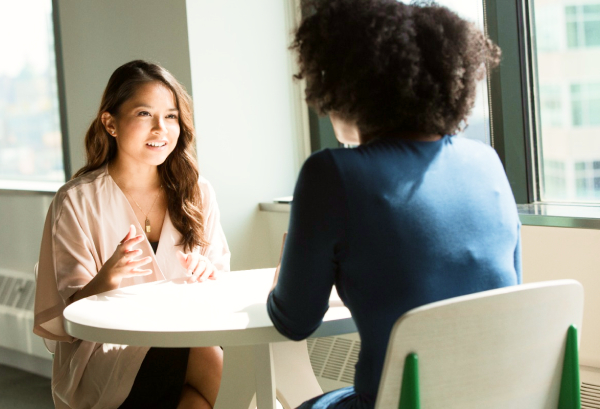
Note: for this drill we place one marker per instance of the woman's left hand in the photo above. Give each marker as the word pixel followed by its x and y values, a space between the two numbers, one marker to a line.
pixel 198 266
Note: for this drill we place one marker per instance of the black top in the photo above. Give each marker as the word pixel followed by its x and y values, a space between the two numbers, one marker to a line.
pixel 154 245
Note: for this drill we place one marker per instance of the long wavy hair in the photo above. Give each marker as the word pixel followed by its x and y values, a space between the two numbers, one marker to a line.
pixel 179 172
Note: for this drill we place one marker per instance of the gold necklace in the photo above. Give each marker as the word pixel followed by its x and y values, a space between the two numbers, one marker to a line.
pixel 147 226
pixel 147 222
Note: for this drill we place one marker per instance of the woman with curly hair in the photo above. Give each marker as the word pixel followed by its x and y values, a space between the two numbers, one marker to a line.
pixel 414 214
pixel 137 212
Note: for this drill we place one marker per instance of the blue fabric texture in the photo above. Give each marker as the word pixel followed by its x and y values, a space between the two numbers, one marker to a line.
pixel 393 224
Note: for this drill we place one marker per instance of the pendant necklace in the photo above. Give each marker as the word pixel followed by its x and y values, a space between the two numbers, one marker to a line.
pixel 147 223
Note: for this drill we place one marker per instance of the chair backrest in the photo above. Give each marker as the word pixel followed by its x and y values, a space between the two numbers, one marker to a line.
pixel 48 343
pixel 500 349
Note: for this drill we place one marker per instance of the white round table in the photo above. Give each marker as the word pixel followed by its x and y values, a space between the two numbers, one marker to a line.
pixel 230 312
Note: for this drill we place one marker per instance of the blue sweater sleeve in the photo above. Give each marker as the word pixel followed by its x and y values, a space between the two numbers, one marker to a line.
pixel 315 238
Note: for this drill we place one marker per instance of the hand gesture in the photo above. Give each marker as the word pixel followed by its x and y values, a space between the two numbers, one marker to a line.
pixel 198 266
pixel 123 264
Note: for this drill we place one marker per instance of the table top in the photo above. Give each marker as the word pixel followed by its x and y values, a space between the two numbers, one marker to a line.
pixel 229 311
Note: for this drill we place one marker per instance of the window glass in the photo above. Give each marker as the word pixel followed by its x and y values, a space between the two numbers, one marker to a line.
pixel 566 37
pixel 30 136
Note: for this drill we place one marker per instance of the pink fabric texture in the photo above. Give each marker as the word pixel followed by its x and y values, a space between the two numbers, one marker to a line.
pixel 87 219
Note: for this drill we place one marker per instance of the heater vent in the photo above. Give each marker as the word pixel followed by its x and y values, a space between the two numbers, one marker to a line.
pixel 590 396
pixel 334 358
pixel 17 292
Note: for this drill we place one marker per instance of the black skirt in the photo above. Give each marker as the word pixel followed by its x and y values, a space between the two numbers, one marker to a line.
pixel 160 379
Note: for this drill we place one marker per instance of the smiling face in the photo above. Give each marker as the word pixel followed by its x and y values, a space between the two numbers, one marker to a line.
pixel 146 128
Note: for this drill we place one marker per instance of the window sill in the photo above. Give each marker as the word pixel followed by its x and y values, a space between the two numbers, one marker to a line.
pixel 536 214
pixel 23 186
pixel 578 216
pixel 278 205
pixel 275 207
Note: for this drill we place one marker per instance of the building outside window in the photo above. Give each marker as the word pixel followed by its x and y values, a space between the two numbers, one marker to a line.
pixel 585 104
pixel 583 25
pixel 551 105
pixel 567 49
pixel 30 132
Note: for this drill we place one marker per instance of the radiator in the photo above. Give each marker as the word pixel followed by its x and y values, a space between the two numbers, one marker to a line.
pixel 333 360
pixel 17 295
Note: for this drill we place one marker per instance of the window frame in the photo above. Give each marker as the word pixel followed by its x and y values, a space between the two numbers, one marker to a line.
pixel 513 109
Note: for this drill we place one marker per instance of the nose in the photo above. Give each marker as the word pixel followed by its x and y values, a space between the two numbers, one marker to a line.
pixel 160 128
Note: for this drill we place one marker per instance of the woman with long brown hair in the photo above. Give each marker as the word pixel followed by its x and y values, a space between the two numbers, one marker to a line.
pixel 137 212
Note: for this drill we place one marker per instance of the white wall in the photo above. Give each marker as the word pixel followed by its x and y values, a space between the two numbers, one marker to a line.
pixel 246 117
pixel 552 253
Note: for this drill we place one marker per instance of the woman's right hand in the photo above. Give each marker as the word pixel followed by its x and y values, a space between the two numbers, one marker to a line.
pixel 120 265
pixel 123 263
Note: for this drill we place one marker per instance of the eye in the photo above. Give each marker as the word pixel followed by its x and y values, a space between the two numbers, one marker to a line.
pixel 172 116
pixel 144 113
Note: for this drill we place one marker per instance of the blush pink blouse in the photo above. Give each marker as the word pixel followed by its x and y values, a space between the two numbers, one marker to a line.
pixel 87 219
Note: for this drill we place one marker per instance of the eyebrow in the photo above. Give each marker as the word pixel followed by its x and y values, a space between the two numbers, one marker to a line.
pixel 149 106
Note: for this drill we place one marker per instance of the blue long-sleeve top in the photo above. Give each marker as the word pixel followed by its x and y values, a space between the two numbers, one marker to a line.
pixel 394 224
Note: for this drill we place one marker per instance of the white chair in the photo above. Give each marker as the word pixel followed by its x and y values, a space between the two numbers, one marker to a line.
pixel 502 349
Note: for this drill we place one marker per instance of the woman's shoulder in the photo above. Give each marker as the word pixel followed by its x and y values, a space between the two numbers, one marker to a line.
pixel 206 190
pixel 323 160
pixel 476 152
pixel 76 188
pixel 471 145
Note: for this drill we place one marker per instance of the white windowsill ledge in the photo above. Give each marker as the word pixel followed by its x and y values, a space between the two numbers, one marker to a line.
pixel 28 186
pixel 275 207
pixel 578 216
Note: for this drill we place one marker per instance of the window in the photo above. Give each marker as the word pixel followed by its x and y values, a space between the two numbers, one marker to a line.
pixel 549 36
pixel 583 25
pixel 554 177
pixel 551 106
pixel 585 104
pixel 568 95
pixel 587 176
pixel 30 132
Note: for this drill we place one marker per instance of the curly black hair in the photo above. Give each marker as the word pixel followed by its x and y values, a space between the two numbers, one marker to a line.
pixel 390 67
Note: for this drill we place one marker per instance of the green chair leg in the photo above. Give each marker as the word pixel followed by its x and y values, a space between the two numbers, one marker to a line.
pixel 570 392
pixel 409 394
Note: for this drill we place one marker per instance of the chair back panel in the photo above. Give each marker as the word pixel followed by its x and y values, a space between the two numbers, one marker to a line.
pixel 502 348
